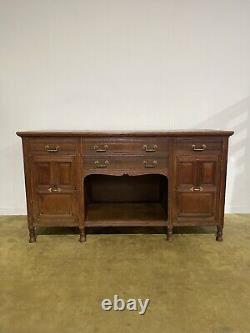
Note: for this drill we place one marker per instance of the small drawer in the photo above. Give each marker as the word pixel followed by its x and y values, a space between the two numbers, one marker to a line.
pixel 53 146
pixel 198 145
pixel 125 163
pixel 132 146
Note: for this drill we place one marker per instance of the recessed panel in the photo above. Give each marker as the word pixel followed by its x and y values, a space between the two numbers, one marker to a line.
pixel 55 204
pixel 43 172
pixel 196 205
pixel 185 172
pixel 64 173
pixel 207 172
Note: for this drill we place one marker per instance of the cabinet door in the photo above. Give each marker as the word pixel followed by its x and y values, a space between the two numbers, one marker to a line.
pixel 196 191
pixel 54 190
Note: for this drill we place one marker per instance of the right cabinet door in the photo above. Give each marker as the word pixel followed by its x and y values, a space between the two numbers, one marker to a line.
pixel 196 189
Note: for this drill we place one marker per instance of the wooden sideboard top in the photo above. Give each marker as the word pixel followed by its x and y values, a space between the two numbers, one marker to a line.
pixel 56 133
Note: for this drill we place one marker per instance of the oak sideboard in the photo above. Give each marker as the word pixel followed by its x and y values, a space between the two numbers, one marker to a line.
pixel 112 179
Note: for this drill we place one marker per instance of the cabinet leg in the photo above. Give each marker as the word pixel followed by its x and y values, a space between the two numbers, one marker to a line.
pixel 35 233
pixel 82 235
pixel 219 236
pixel 32 234
pixel 169 233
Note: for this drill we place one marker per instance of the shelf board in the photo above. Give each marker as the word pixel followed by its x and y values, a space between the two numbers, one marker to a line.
pixel 125 214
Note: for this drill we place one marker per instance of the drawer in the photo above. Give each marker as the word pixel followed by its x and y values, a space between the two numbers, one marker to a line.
pixel 125 163
pixel 136 146
pixel 53 146
pixel 198 145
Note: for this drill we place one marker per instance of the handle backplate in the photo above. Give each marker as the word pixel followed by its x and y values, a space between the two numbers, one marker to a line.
pixel 196 189
pixel 150 164
pixel 201 148
pixel 98 164
pixel 101 148
pixel 55 189
pixel 52 149
pixel 150 148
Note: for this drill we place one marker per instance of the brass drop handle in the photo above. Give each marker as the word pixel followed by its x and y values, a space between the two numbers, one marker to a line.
pixel 148 164
pixel 52 149
pixel 150 148
pixel 203 147
pixel 196 189
pixel 102 148
pixel 98 164
pixel 54 189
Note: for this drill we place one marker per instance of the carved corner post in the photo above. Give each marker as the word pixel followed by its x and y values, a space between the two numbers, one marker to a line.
pixel 219 234
pixel 171 196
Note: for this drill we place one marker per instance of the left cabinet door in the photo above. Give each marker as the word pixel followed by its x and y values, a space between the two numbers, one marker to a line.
pixel 54 187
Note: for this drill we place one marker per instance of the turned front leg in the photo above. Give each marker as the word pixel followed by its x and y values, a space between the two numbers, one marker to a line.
pixel 82 235
pixel 219 236
pixel 32 234
pixel 169 232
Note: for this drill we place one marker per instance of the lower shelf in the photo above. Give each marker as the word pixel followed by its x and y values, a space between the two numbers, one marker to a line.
pixel 125 214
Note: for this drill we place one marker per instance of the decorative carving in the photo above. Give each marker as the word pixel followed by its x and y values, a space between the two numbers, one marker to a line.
pixel 111 172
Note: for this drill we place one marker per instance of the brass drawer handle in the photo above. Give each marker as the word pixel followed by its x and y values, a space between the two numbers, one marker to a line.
pixel 196 189
pixel 150 148
pixel 102 148
pixel 52 149
pixel 98 164
pixel 54 189
pixel 148 164
pixel 203 147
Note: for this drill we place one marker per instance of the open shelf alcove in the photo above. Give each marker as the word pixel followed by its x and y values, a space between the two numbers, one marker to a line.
pixel 126 200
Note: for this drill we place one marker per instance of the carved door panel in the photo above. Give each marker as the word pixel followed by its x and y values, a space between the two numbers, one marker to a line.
pixel 196 191
pixel 54 190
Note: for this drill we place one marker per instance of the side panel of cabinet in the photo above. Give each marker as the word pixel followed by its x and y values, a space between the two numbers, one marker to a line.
pixel 54 189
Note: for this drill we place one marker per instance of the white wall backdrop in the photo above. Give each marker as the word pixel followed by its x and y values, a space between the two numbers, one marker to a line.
pixel 115 64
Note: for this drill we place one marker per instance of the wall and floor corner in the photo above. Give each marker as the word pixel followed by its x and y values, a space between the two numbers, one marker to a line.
pixel 132 65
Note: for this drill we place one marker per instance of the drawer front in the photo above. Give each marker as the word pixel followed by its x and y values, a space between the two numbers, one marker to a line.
pixel 53 146
pixel 198 146
pixel 133 163
pixel 136 146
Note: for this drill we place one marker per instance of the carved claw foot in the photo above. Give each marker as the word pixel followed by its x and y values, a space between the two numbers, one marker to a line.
pixel 169 233
pixel 219 236
pixel 82 238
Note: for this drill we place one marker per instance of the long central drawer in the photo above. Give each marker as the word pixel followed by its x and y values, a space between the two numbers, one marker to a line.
pixel 102 163
pixel 132 146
